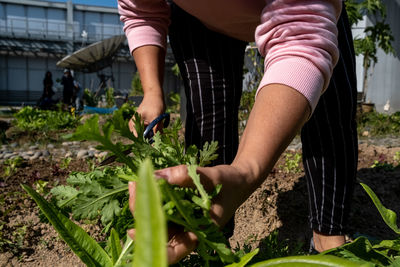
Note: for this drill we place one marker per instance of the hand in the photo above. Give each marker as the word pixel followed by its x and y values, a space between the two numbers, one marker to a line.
pixel 181 243
pixel 151 107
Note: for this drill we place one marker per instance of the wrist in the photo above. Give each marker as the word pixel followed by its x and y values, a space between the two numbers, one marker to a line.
pixel 251 173
pixel 153 92
pixel 155 97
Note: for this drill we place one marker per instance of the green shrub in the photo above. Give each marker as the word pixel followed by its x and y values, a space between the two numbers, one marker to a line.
pixel 33 119
pixel 379 124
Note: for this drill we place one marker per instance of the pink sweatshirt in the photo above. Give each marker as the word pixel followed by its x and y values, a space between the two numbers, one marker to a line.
pixel 298 38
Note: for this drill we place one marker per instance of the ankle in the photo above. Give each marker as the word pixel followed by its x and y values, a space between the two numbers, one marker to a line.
pixel 324 242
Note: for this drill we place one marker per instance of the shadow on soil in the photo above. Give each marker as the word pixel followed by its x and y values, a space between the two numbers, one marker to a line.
pixel 292 208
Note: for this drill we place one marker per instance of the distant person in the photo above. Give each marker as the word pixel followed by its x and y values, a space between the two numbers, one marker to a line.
pixel 68 82
pixel 78 95
pixel 102 85
pixel 46 100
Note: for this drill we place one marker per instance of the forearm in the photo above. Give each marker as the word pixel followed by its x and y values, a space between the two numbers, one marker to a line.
pixel 278 114
pixel 149 61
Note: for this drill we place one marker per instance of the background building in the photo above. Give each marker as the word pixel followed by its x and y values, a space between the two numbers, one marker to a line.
pixel 34 35
pixel 383 87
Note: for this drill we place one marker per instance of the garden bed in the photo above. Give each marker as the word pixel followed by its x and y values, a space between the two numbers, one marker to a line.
pixel 279 204
pixel 44 160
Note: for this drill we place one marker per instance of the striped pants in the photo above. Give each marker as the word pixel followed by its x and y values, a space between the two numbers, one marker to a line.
pixel 211 65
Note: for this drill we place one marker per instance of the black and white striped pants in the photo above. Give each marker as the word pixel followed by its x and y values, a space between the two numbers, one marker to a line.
pixel 211 65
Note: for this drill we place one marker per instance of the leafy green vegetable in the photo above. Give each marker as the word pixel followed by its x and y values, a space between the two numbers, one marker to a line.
pixel 114 246
pixel 378 253
pixel 360 251
pixel 151 234
pixel 126 254
pixel 244 260
pixel 388 215
pixel 100 193
pixel 33 119
pixel 307 261
pixel 191 209
pixel 79 241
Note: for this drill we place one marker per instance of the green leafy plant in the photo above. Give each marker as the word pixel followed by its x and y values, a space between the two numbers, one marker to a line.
pixel 110 97
pixel 65 163
pixel 377 36
pixel 11 166
pixel 396 158
pixel 382 165
pixel 175 103
pixel 86 248
pixel 373 253
pixel 90 98
pixel 3 240
pixel 378 124
pixel 292 163
pixel 33 119
pixel 41 187
pixel 175 70
pixel 136 85
pixel 103 192
pixel 253 72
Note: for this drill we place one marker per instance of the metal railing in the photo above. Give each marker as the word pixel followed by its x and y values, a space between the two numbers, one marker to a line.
pixel 47 29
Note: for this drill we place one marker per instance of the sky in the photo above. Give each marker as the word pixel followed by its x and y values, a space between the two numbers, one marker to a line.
pixel 108 3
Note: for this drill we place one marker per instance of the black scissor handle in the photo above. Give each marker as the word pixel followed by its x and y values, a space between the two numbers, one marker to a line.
pixel 149 133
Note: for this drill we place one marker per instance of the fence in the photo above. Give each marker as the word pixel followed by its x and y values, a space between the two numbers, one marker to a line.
pixel 56 29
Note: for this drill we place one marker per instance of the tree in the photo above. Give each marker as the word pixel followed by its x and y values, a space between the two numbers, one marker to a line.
pixel 377 36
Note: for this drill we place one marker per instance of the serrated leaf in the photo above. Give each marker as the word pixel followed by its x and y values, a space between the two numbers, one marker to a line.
pixel 395 263
pixel 98 204
pixel 210 237
pixel 78 179
pixel 206 203
pixel 110 210
pixel 388 244
pixel 85 247
pixel 64 194
pixel 208 153
pixel 150 224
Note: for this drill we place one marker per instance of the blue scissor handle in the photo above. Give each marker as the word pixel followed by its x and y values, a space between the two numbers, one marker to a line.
pixel 149 133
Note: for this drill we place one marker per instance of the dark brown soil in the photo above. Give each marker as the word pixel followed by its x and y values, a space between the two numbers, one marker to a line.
pixel 281 203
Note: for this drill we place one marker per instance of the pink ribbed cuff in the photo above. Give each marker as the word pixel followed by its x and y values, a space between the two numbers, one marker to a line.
pixel 298 73
pixel 145 35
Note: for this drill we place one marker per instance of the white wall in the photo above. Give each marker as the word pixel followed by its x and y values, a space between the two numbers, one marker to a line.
pixel 384 77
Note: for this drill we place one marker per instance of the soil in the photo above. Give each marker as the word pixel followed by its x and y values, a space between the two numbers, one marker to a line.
pixel 280 203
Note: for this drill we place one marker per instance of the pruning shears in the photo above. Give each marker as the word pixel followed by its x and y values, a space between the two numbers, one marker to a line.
pixel 147 134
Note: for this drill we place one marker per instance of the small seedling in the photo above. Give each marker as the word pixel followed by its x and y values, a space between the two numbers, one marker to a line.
pixel 382 164
pixel 396 158
pixel 40 186
pixel 11 166
pixel 292 163
pixel 65 163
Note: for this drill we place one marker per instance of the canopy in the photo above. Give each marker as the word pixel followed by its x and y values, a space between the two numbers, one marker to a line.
pixel 93 57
